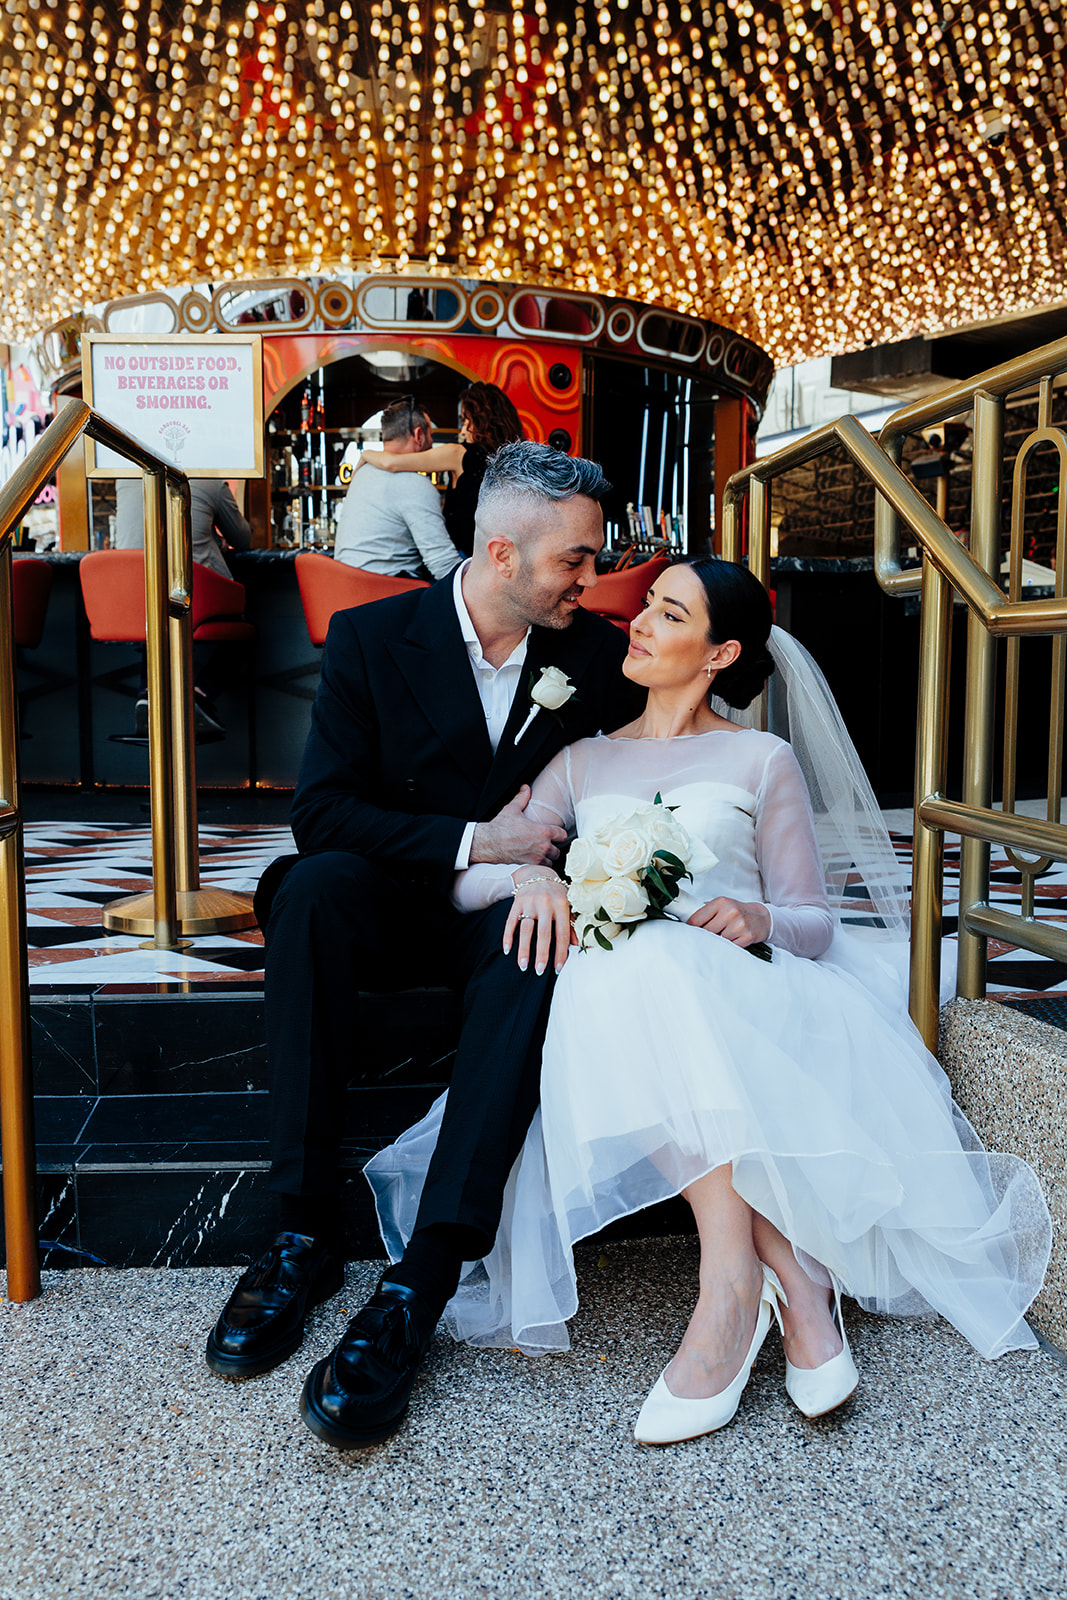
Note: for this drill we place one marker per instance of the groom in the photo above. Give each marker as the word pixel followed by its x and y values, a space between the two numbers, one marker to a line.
pixel 420 738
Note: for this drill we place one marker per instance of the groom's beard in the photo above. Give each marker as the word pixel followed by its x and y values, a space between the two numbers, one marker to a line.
pixel 543 605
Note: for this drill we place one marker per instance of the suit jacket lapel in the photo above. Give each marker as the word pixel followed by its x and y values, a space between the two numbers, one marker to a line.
pixel 515 763
pixel 434 662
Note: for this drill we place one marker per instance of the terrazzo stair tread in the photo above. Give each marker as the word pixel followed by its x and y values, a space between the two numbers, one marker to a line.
pixel 1008 1072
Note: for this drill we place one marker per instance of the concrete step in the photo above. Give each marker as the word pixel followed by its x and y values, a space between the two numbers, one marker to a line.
pixel 1009 1075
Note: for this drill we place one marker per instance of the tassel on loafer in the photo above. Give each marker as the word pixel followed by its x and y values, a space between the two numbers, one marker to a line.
pixel 668 1418
pixel 817 1390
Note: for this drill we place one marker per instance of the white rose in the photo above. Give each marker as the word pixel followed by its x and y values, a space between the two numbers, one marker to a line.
pixel 584 930
pixel 626 850
pixel 552 690
pixel 623 900
pixel 584 897
pixel 584 863
pixel 666 834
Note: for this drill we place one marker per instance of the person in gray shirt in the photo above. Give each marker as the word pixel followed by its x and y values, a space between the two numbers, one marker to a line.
pixel 391 522
pixel 212 506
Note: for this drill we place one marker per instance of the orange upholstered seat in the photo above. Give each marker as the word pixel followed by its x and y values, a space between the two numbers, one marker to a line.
pixel 327 586
pixel 619 596
pixel 113 590
pixel 31 586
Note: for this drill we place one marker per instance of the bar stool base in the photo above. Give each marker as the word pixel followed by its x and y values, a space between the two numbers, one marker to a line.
pixel 200 911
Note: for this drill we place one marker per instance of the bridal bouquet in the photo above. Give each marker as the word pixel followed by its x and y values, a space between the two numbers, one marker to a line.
pixel 628 870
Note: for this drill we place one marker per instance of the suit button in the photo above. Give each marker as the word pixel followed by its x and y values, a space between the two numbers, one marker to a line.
pixel 409 785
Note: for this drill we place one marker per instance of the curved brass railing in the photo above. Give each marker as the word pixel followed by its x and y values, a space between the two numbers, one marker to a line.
pixel 948 566
pixel 176 904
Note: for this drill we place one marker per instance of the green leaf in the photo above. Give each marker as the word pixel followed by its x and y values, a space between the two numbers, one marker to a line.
pixel 673 861
pixel 762 952
pixel 602 940
pixel 601 915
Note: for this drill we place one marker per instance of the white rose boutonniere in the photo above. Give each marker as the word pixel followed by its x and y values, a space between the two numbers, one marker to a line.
pixel 551 691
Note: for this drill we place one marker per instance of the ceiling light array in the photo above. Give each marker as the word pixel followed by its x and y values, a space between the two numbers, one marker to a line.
pixel 815 176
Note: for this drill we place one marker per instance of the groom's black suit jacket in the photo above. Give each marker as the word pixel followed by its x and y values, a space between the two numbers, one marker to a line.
pixel 398 759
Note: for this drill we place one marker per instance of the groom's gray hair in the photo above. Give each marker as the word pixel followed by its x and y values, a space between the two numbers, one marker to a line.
pixel 523 477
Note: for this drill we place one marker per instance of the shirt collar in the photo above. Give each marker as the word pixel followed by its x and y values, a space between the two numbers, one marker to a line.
pixel 470 633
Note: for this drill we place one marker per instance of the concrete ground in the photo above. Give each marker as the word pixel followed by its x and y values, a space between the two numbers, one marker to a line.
pixel 127 1468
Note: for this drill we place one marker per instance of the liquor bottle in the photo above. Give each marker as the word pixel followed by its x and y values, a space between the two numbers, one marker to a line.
pixel 305 411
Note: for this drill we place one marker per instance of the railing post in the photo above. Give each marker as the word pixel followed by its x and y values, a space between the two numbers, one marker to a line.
pixel 160 726
pixel 935 639
pixel 759 559
pixel 180 644
pixel 16 1077
pixel 981 678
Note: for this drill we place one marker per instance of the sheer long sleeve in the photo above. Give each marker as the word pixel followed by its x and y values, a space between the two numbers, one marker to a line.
pixel 551 801
pixel 789 861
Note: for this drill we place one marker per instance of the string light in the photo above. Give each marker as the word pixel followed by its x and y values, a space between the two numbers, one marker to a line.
pixel 815 176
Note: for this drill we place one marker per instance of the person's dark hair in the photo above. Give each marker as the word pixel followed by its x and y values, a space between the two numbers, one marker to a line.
pixel 527 468
pixel 401 418
pixel 739 607
pixel 493 419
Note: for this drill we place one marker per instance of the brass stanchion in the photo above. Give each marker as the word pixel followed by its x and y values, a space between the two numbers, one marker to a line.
pixel 930 765
pixel 169 588
pixel 16 1079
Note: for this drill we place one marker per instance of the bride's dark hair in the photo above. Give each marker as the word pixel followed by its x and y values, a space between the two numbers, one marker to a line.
pixel 739 607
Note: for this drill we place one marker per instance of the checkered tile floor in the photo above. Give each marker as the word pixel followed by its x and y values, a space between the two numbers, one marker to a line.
pixel 73 869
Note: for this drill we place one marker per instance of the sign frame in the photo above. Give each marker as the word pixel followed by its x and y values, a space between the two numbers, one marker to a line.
pixel 201 349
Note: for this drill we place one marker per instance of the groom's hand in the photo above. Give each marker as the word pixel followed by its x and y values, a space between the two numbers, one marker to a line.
pixel 512 837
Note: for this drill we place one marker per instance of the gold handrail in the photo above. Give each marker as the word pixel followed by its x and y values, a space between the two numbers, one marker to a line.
pixel 948 566
pixel 176 903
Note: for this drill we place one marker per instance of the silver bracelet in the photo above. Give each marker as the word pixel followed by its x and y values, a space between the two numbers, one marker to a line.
pixel 544 878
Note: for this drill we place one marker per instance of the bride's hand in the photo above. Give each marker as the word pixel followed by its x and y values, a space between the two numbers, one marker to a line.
pixel 742 922
pixel 540 905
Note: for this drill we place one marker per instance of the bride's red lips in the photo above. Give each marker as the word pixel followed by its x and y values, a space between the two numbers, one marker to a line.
pixel 637 650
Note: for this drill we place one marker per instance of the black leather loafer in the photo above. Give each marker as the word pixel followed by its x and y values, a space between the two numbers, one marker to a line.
pixel 358 1395
pixel 263 1320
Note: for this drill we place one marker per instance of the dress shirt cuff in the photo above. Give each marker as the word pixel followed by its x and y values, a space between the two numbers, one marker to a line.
pixel 463 854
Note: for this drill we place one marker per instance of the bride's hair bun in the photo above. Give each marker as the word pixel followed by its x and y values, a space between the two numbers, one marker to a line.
pixel 739 607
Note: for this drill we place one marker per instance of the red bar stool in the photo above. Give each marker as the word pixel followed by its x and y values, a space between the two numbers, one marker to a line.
pixel 620 596
pixel 327 586
pixel 31 585
pixel 112 583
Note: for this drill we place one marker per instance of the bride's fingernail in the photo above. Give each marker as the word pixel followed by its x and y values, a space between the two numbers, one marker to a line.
pixel 523 964
pixel 540 969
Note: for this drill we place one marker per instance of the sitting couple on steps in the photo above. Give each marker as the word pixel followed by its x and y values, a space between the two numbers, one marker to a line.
pixel 789 1098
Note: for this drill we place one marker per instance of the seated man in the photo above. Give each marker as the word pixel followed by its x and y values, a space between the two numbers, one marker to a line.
pixel 421 748
pixel 391 522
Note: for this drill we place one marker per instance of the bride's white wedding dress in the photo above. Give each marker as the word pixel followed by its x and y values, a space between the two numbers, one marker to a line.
pixel 676 1052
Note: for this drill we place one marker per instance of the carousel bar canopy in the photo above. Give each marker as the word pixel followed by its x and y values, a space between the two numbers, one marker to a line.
pixel 815 177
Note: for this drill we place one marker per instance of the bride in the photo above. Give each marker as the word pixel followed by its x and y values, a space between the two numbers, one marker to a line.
pixel 790 1101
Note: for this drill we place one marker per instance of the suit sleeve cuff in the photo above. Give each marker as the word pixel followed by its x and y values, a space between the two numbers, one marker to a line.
pixel 463 854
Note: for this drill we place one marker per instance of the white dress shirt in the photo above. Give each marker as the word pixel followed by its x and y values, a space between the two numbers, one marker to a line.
pixel 496 689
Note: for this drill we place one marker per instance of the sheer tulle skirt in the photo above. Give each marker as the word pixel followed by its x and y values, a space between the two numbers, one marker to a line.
pixel 677 1053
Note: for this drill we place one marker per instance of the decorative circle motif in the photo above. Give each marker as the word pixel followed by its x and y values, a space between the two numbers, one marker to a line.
pixel 487 308
pixel 716 349
pixel 621 325
pixel 337 304
pixel 195 313
pixel 560 439
pixel 560 375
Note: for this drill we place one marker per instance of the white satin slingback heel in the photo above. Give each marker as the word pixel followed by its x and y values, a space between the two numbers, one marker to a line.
pixel 667 1418
pixel 817 1390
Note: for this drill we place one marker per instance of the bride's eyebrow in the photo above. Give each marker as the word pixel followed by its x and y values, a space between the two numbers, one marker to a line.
pixel 667 601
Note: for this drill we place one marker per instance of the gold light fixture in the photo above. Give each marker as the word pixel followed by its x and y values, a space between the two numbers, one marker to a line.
pixel 815 176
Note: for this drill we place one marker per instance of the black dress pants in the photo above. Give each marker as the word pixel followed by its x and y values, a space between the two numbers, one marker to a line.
pixel 339 924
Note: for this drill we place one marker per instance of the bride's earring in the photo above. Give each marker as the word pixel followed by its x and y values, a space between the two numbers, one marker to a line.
pixel 707 669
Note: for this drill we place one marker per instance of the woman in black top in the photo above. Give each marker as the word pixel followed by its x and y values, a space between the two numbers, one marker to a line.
pixel 487 420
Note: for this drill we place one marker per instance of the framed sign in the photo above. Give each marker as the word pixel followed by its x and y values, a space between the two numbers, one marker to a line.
pixel 197 403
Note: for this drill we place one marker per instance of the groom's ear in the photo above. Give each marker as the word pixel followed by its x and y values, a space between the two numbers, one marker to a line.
pixel 503 556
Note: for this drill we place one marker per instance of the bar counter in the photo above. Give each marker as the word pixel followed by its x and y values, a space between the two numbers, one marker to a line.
pixel 77 695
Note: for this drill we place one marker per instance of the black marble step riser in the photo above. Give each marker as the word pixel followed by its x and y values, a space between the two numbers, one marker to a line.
pixel 192 1217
